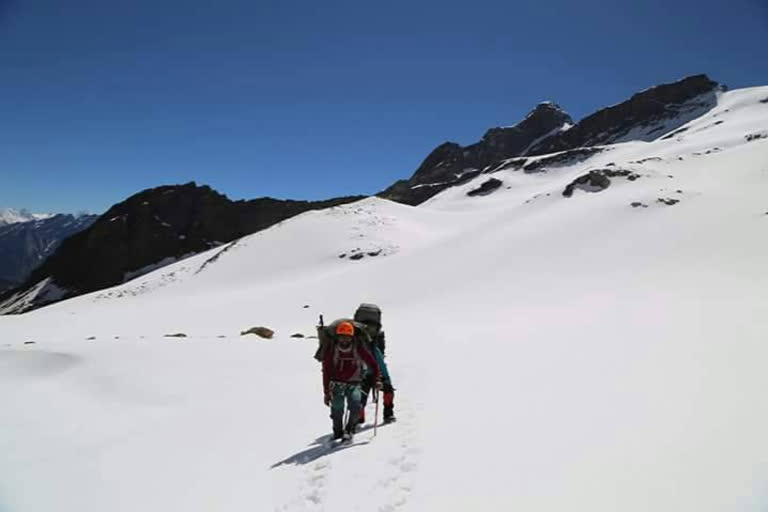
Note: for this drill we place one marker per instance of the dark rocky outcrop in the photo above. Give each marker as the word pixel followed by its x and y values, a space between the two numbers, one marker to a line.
pixel 593 181
pixel 451 164
pixel 261 332
pixel 598 180
pixel 486 188
pixel 569 157
pixel 647 115
pixel 158 225
pixel 25 245
pixel 5 284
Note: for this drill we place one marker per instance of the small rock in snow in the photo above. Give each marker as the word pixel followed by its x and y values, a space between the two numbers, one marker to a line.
pixel 262 332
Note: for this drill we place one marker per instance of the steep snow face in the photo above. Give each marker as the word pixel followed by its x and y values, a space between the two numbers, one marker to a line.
pixel 601 351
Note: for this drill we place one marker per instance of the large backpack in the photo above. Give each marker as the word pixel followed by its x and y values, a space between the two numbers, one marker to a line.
pixel 368 313
pixel 371 314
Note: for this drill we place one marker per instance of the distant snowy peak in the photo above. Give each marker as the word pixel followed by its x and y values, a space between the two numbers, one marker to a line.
pixel 24 245
pixel 12 216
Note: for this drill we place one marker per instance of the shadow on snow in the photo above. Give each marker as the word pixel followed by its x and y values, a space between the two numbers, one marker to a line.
pixel 320 448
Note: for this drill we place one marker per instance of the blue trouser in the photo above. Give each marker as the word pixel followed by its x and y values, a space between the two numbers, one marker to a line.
pixel 339 392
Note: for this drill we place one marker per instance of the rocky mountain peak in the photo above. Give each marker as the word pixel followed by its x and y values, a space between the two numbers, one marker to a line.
pixel 544 119
pixel 451 163
pixel 647 115
pixel 548 114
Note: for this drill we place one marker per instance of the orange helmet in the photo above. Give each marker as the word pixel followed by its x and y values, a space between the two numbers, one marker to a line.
pixel 345 329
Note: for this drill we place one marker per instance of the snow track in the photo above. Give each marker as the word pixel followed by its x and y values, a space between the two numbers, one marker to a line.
pixel 373 473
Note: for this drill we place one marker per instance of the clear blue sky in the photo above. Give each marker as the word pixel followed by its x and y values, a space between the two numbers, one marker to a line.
pixel 313 99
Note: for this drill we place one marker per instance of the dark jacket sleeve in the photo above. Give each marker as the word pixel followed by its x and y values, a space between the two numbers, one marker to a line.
pixel 381 343
pixel 370 360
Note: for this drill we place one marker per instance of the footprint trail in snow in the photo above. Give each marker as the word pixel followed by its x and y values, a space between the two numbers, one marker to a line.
pixel 371 474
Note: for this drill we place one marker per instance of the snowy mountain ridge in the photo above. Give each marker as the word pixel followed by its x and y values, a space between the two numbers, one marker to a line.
pixel 12 216
pixel 581 330
pixel 165 224
pixel 24 245
pixel 146 231
pixel 548 129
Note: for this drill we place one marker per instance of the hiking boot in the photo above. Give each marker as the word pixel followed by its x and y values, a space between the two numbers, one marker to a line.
pixel 346 437
pixel 389 412
pixel 337 435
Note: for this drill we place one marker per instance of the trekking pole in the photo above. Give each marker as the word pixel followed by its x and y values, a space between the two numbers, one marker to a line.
pixel 346 419
pixel 376 414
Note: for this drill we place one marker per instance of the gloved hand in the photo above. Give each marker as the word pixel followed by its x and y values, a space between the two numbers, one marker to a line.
pixel 327 399
pixel 379 385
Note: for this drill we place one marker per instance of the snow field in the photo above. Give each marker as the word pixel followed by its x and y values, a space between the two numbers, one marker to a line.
pixel 549 353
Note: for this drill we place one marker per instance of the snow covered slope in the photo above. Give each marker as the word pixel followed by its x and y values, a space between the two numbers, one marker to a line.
pixel 603 351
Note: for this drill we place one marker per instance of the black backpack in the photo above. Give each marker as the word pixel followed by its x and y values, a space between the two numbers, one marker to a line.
pixel 368 313
pixel 371 314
